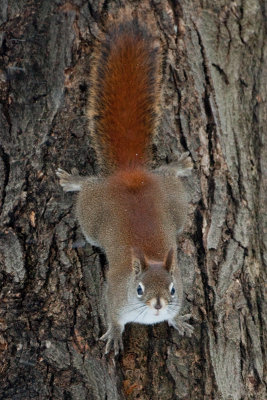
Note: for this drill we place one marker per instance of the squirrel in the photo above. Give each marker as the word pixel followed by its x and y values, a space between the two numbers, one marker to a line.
pixel 131 211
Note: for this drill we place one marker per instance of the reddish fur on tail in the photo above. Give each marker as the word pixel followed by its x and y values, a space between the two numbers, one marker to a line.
pixel 125 97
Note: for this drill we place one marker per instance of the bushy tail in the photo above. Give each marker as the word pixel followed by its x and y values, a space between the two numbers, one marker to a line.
pixel 125 97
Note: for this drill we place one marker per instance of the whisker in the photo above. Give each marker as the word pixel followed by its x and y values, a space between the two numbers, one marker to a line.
pixel 174 304
pixel 139 315
pixel 129 308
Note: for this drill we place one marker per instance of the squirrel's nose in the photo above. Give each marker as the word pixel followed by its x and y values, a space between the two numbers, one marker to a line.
pixel 158 305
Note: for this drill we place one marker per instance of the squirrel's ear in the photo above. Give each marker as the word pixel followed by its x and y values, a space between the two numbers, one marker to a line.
pixel 138 260
pixel 169 260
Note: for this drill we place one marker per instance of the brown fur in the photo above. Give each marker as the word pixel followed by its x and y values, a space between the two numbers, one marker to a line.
pixel 133 214
pixel 141 213
pixel 124 104
pixel 134 210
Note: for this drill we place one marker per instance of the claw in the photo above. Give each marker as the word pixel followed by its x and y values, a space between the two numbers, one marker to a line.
pixel 61 173
pixel 105 336
pixel 118 346
pixel 108 346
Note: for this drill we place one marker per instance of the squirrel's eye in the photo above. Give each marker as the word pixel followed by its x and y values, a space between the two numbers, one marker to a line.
pixel 172 289
pixel 140 290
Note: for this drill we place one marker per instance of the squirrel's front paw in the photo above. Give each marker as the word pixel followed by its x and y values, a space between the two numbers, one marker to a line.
pixel 180 324
pixel 114 338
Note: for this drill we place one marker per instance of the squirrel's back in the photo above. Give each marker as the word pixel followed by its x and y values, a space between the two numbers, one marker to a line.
pixel 124 101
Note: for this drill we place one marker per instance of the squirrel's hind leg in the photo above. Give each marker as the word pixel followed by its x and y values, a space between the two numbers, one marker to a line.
pixel 70 182
pixel 181 167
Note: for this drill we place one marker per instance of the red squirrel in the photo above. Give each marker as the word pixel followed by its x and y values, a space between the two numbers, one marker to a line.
pixel 130 211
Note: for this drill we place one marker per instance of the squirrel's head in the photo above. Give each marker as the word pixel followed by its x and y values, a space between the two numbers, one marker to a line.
pixel 154 288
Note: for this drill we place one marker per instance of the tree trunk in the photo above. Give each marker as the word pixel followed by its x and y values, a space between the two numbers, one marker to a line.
pixel 52 282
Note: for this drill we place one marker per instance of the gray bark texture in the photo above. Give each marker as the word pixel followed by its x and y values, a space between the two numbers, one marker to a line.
pixel 214 106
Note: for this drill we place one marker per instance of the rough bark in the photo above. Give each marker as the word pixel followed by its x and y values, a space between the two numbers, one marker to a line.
pixel 52 314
